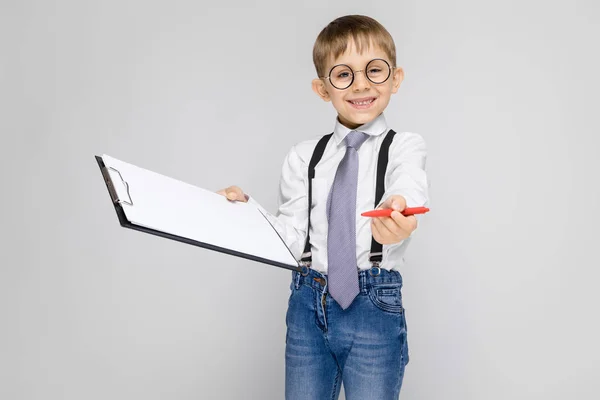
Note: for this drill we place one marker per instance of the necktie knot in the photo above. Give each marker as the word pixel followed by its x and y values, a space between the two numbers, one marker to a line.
pixel 355 139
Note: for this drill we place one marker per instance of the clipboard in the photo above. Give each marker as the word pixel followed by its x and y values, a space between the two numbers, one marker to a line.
pixel 155 204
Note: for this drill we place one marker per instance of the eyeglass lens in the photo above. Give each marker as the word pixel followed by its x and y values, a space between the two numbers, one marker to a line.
pixel 377 71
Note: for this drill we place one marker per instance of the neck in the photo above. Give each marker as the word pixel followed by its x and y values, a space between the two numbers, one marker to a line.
pixel 353 125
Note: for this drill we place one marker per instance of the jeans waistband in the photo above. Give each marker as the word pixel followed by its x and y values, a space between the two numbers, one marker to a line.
pixel 366 278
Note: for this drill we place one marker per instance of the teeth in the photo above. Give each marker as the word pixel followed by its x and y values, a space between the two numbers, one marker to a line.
pixel 362 103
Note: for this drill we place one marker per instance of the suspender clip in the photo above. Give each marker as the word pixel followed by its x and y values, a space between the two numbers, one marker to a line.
pixel 305 267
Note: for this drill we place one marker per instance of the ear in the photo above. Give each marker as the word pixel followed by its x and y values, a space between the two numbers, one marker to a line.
pixel 318 86
pixel 397 79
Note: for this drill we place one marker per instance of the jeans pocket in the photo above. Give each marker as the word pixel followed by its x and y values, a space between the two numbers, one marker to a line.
pixel 387 297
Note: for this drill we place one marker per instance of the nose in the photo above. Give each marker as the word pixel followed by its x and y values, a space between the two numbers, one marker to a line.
pixel 360 81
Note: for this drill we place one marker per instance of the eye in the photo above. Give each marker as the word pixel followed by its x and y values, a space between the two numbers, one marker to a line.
pixel 343 75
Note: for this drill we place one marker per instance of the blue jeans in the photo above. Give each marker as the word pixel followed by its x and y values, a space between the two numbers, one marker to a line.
pixel 364 346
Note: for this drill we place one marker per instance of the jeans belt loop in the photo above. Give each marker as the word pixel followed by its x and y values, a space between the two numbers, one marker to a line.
pixel 305 265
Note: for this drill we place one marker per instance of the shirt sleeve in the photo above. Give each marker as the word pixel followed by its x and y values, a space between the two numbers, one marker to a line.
pixel 407 171
pixel 407 174
pixel 291 220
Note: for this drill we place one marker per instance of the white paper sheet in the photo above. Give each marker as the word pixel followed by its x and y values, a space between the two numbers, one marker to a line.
pixel 178 208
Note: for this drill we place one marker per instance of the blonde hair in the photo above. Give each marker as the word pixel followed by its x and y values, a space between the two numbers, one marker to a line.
pixel 335 37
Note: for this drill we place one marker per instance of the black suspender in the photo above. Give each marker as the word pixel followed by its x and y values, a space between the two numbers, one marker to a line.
pixel 382 161
pixel 314 160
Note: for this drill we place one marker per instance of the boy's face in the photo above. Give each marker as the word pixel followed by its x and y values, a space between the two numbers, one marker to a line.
pixel 363 100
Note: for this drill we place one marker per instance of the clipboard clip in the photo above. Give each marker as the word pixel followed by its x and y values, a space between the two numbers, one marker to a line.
pixel 111 187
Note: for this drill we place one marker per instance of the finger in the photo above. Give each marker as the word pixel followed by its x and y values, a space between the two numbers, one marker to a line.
pixel 397 219
pixel 406 224
pixel 412 221
pixel 398 226
pixel 386 204
pixel 231 195
pixel 376 232
pixel 382 226
pixel 234 193
pixel 396 202
pixel 381 233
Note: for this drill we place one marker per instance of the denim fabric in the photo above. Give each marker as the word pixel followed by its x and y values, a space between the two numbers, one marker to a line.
pixel 364 346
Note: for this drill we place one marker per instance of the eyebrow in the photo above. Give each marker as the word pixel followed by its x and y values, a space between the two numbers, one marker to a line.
pixel 344 63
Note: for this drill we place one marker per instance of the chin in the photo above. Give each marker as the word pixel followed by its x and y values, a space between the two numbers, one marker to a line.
pixel 361 119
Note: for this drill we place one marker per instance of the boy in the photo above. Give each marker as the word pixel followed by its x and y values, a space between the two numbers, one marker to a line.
pixel 345 319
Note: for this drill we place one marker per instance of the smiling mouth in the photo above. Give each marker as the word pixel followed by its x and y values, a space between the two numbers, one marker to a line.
pixel 362 103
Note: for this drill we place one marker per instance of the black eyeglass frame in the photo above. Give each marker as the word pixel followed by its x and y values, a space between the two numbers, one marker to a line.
pixel 390 68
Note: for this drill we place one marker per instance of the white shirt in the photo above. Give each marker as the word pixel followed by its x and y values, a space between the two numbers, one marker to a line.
pixel 405 176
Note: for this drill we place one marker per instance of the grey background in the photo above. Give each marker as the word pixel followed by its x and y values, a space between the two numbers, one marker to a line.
pixel 500 286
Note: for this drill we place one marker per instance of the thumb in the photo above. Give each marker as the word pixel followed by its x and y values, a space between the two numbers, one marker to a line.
pixel 235 193
pixel 395 202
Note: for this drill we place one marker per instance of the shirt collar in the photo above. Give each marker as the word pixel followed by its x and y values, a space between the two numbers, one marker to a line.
pixel 374 128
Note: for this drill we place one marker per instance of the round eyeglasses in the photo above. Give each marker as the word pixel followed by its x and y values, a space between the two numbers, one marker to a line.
pixel 341 76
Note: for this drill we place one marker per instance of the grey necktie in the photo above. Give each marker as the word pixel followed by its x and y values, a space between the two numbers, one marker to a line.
pixel 342 269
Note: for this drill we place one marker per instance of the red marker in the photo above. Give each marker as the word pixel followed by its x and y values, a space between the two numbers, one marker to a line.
pixel 386 212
